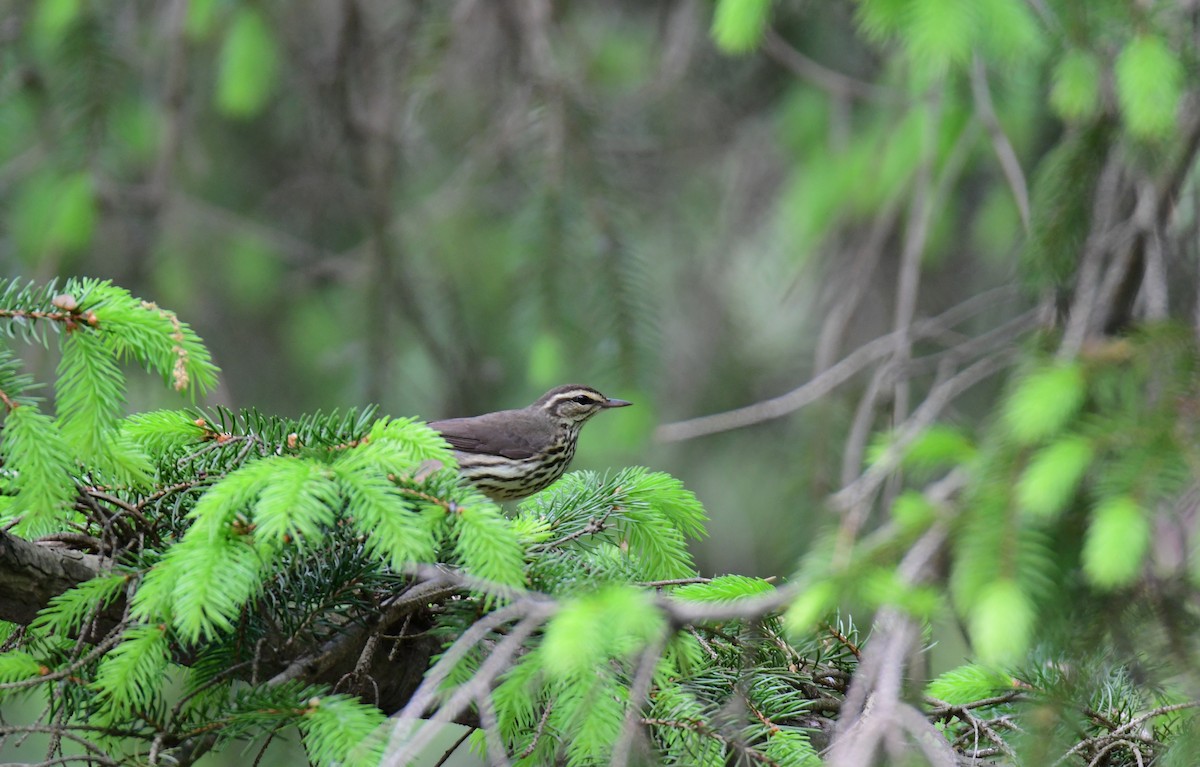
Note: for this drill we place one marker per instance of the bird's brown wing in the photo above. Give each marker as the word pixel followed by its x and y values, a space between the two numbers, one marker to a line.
pixel 478 435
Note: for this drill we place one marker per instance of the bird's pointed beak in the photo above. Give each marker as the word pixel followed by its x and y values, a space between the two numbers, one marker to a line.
pixel 617 403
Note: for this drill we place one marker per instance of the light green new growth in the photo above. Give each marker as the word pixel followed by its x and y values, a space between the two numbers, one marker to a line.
pixel 486 544
pixel 341 731
pixel 72 609
pixel 1049 482
pixel 610 623
pixel 1044 401
pixel 1149 80
pixel 34 449
pixel 725 588
pixel 1116 542
pixel 16 666
pixel 738 25
pixel 968 683
pixel 130 676
pixel 97 324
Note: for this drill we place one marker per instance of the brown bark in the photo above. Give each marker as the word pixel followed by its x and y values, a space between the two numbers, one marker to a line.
pixel 383 661
pixel 31 574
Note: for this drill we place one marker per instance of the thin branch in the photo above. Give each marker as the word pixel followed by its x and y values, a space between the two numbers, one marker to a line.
pixel 860 427
pixel 454 747
pixel 96 753
pixel 964 713
pixel 594 526
pixel 424 695
pixel 218 678
pixel 861 489
pixel 944 709
pixel 833 82
pixel 110 641
pixel 90 759
pixel 537 613
pixel 835 376
pixel 497 753
pixel 850 287
pixel 747 608
pixel 538 731
pixel 908 281
pixel 639 691
pixel 1005 154
pixel 674 582
pixel 1105 235
pixel 1154 285
pixel 931 742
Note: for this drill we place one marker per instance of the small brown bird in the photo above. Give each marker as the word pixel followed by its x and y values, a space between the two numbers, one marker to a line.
pixel 510 454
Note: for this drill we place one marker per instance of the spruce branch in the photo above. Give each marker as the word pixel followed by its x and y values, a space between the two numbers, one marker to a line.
pixel 352 641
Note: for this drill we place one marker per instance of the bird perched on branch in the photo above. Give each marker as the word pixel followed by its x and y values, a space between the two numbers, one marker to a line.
pixel 511 454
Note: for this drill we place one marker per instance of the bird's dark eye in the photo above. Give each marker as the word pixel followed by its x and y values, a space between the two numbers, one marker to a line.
pixel 583 399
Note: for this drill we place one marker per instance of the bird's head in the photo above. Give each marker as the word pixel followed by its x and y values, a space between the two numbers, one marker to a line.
pixel 574 403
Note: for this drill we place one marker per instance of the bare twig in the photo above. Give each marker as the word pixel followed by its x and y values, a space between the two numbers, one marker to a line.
pixel 538 731
pixel 96 753
pixel 1123 732
pixel 1003 148
pixel 497 753
pixel 835 376
pixel 850 287
pixel 832 81
pixel 1106 234
pixel 403 747
pixel 860 427
pixel 931 742
pixel 594 526
pixel 873 712
pixel 916 235
pixel 639 690
pixel 861 489
pixel 674 582
pixel 1154 286
pixel 453 747
pixel 964 713
pixel 424 695
pixel 160 739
